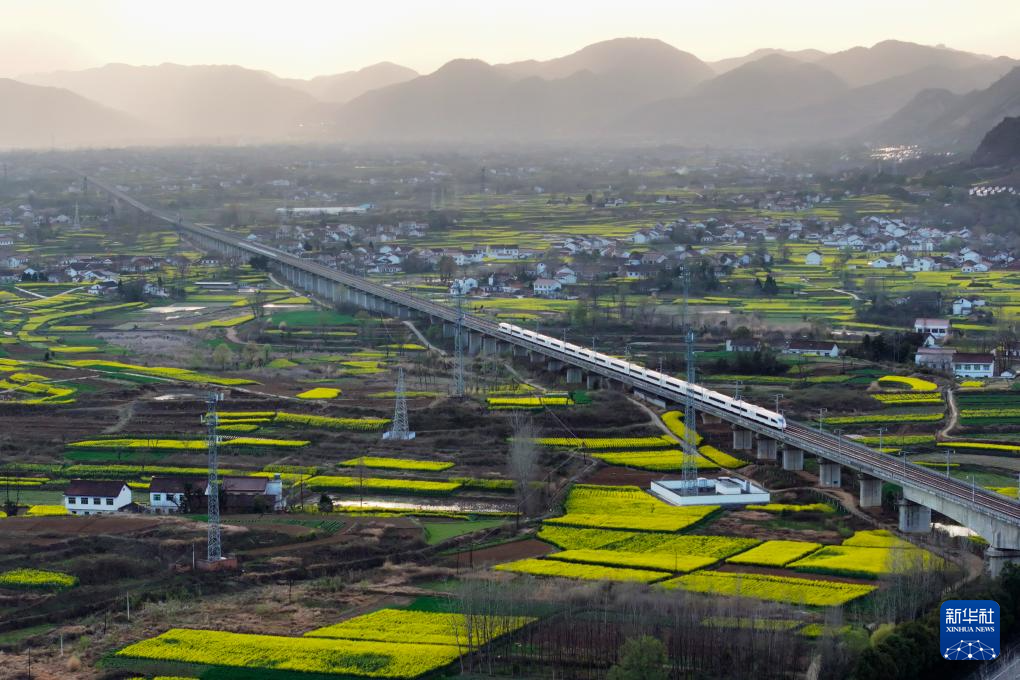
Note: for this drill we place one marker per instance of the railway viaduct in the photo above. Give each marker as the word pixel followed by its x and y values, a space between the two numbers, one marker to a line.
pixel 994 517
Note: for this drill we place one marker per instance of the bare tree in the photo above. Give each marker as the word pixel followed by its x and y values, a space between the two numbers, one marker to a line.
pixel 257 303
pixel 522 459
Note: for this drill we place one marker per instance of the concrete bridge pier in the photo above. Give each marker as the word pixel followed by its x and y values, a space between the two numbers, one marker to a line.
pixel 535 357
pixel 870 492
pixel 998 558
pixel 474 343
pixel 593 381
pixel 914 518
pixel 709 419
pixel 449 330
pixel 574 376
pixel 793 459
pixel 554 365
pixel 766 448
pixel 742 439
pixel 829 474
pixel 489 345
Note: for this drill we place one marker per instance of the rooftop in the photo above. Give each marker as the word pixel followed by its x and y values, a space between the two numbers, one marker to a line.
pixel 94 487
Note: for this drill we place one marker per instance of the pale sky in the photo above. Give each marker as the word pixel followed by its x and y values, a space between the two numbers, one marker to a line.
pixel 303 38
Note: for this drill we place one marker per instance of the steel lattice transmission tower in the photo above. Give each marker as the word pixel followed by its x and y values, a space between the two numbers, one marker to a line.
pixel 458 345
pixel 689 475
pixel 400 429
pixel 215 549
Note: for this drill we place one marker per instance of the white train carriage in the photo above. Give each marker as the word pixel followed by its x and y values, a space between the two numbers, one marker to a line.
pixel 680 387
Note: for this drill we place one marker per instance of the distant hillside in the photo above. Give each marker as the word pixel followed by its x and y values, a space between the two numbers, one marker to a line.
pixel 941 119
pixel 193 102
pixel 341 88
pixel 864 65
pixel 724 65
pixel 642 66
pixel 571 97
pixel 1001 146
pixel 33 116
pixel 742 106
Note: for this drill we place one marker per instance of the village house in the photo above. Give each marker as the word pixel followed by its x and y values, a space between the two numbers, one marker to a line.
pixel 813 259
pixel 812 348
pixel 247 494
pixel 937 328
pixel 935 358
pixel 96 496
pixel 974 365
pixel 745 345
pixel 167 494
pixel 546 287
pixel 566 276
pixel 966 306
pixel 503 252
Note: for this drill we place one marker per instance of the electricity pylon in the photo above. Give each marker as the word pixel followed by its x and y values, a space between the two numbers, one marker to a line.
pixel 214 552
pixel 400 429
pixel 689 474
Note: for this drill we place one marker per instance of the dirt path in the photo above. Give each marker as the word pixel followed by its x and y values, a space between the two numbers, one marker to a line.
pixel 652 415
pixel 124 414
pixel 952 420
pixel 422 339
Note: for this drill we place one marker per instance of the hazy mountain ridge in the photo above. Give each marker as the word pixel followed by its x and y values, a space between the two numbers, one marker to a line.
pixel 623 89
pixel 35 116
pixel 941 118
pixel 724 65
pixel 341 88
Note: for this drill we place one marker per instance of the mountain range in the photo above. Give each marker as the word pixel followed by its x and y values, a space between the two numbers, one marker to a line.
pixel 627 90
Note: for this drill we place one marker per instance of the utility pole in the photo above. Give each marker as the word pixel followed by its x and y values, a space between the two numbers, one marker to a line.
pixel 948 451
pixel 778 396
pixel 881 447
pixel 821 419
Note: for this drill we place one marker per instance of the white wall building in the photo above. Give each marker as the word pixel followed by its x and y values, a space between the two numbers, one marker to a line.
pixel 96 496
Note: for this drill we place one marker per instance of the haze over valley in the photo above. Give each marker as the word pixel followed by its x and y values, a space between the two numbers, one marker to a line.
pixel 622 91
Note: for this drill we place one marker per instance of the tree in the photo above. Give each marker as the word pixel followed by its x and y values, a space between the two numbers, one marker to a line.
pixel 522 459
pixel 589 199
pixel 447 268
pixel 257 303
pixel 642 658
pixel 259 263
pixel 222 356
pixel 325 503
pixel 579 315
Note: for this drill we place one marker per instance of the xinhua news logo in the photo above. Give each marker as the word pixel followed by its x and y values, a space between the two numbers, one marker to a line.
pixel 970 630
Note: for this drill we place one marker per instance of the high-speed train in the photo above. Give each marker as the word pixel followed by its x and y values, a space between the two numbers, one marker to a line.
pixel 660 380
